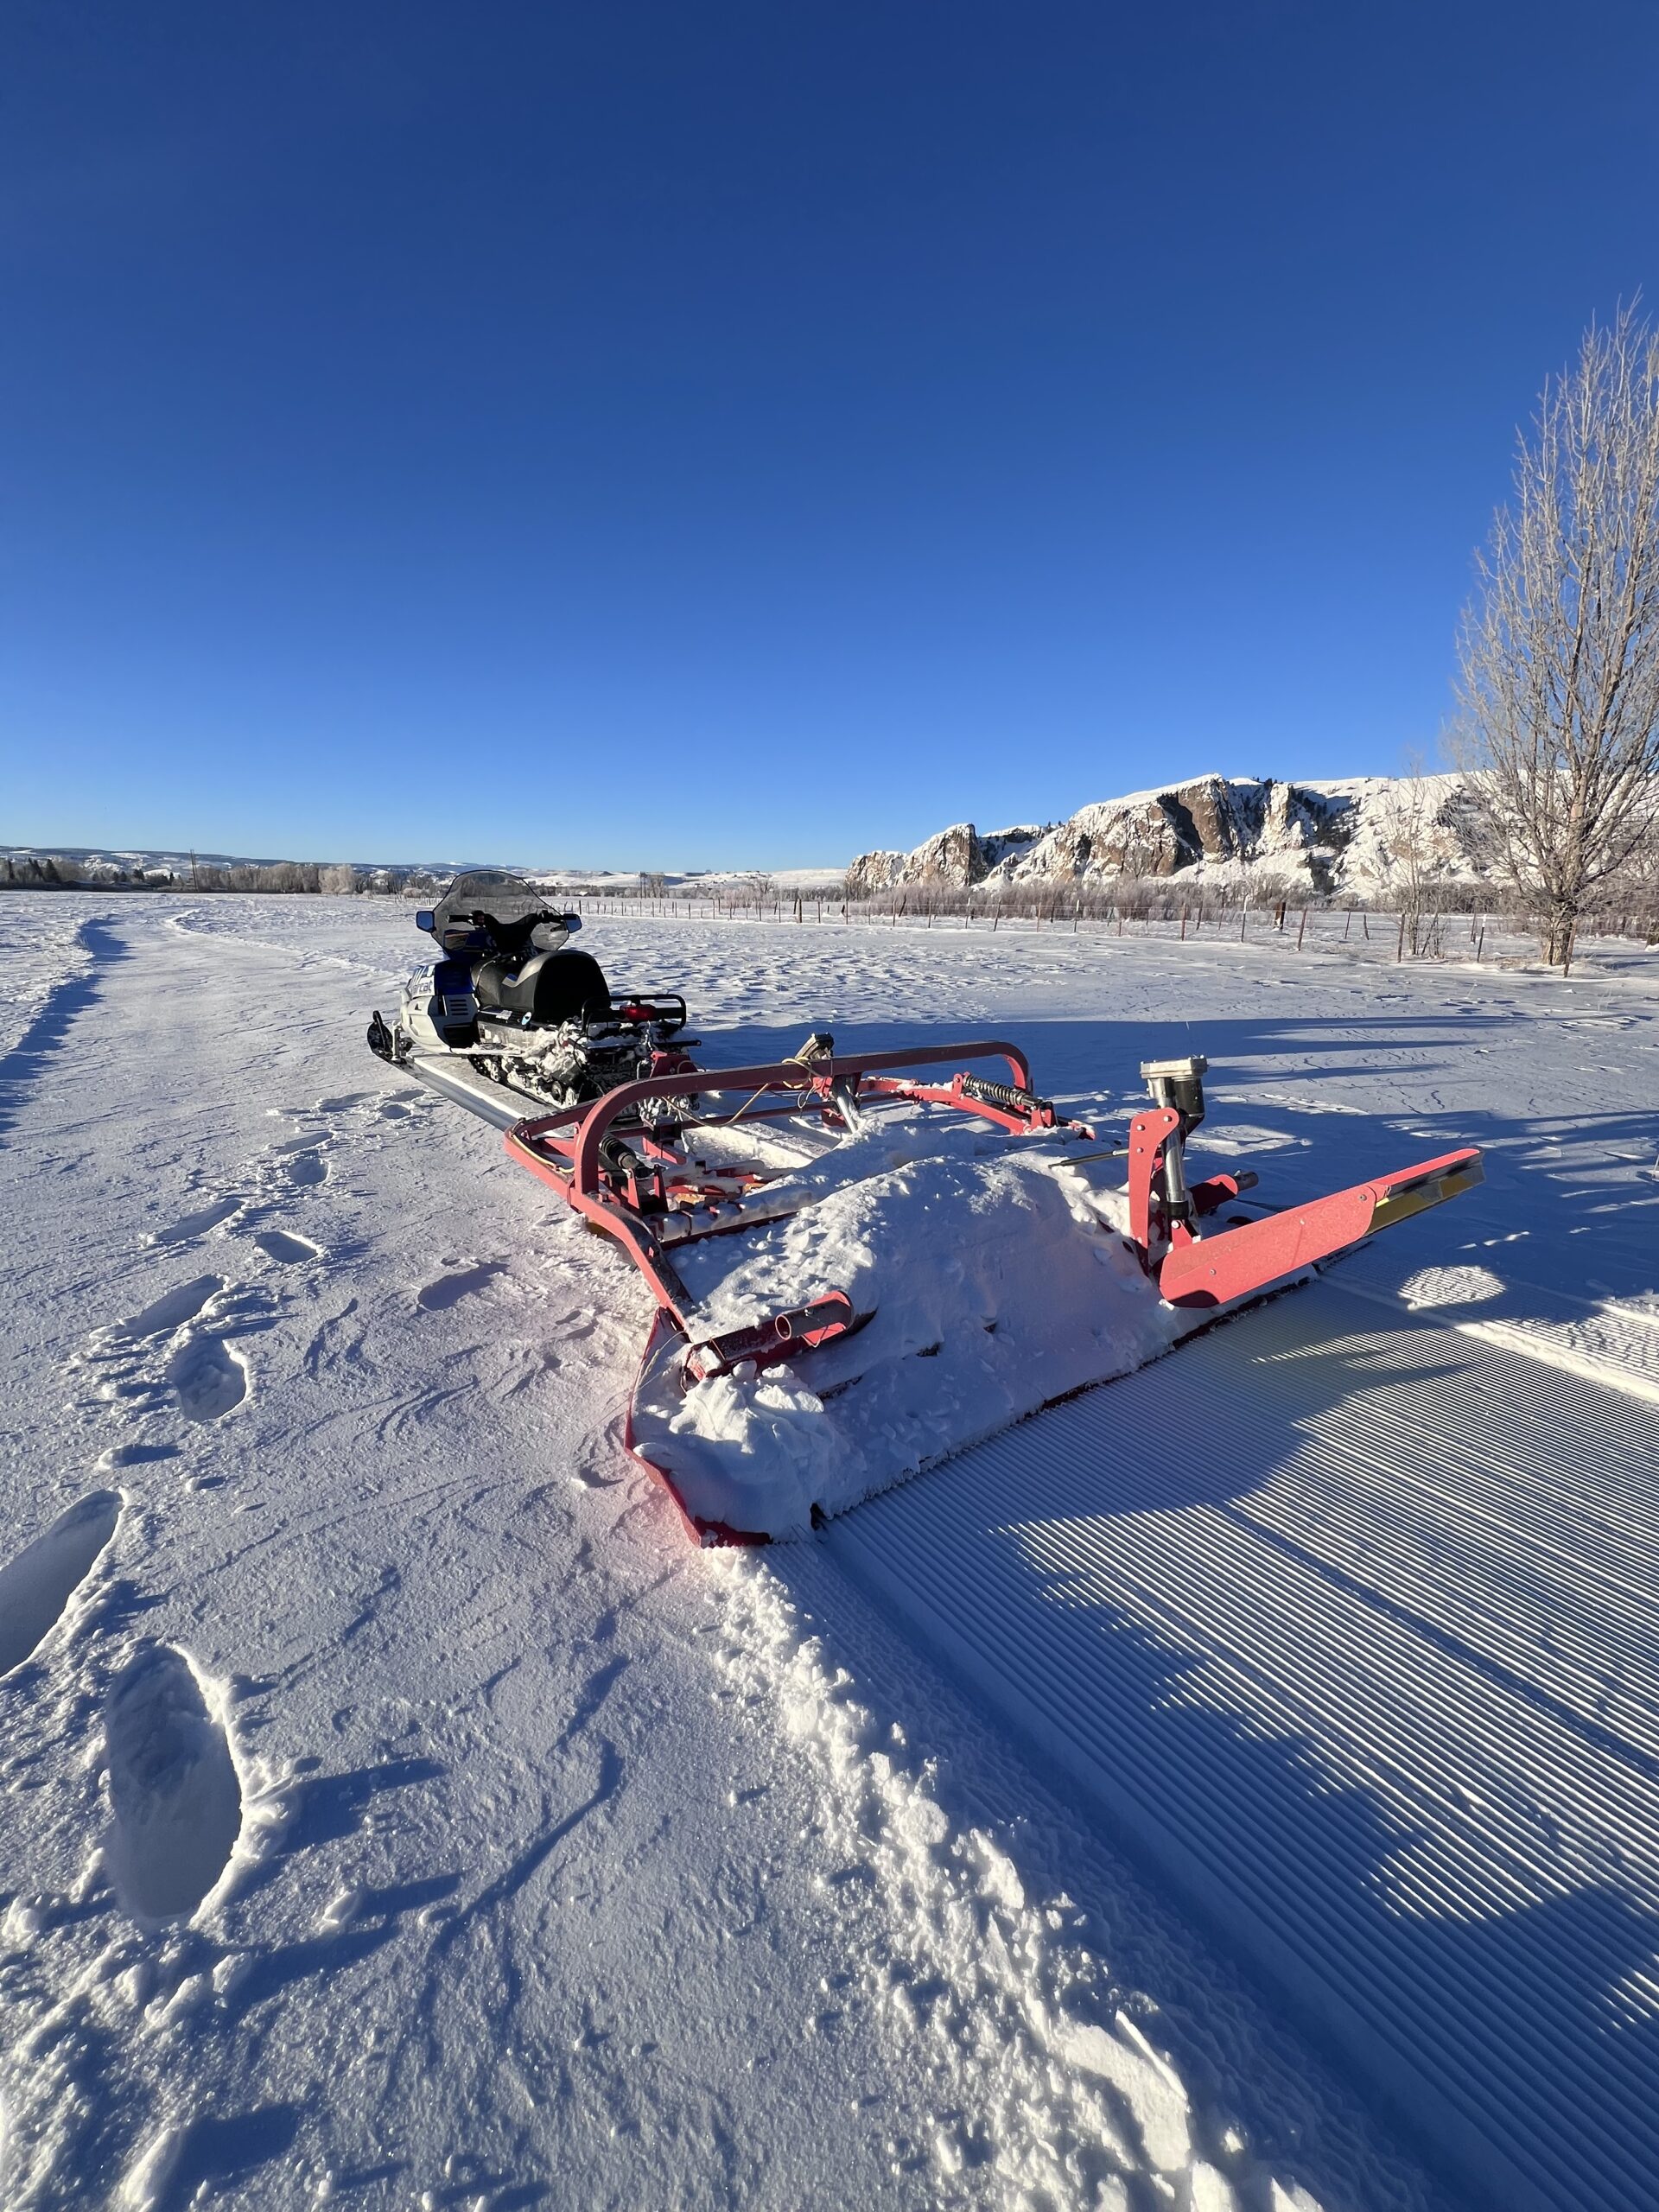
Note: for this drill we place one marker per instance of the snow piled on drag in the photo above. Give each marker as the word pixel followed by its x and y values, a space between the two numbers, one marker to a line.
pixel 995 1280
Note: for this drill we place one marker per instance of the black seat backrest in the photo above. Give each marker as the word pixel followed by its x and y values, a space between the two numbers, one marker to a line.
pixel 571 987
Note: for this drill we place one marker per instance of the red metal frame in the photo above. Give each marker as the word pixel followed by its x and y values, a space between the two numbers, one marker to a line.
pixel 1215 1270
pixel 1148 1134
pixel 640 1190
pixel 625 1198
pixel 565 1149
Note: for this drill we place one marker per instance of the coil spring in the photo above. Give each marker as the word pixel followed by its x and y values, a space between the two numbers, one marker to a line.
pixel 1003 1094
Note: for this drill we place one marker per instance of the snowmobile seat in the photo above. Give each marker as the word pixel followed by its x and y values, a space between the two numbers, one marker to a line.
pixel 570 987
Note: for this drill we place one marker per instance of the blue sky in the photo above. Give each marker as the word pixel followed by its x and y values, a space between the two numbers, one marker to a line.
pixel 701 435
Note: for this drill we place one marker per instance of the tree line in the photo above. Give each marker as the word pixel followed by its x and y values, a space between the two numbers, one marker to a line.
pixel 334 879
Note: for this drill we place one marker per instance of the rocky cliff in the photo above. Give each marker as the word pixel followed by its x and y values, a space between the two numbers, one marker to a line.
pixel 1355 836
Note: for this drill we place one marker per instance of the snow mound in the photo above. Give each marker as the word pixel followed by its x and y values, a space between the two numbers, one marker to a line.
pixel 1435 1286
pixel 996 1280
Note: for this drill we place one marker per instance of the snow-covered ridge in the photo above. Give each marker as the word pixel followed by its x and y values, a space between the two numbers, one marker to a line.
pixel 1355 834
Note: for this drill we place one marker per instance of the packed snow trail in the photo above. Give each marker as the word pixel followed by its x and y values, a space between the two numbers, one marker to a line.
pixel 1352 1624
pixel 397 1810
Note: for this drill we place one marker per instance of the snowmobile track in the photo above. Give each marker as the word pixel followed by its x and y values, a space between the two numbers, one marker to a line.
pixel 1349 1623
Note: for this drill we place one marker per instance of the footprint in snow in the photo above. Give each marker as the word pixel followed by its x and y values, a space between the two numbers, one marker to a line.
pixel 198 1223
pixel 307 1169
pixel 438 1297
pixel 286 1249
pixel 36 1586
pixel 210 1379
pixel 174 1790
pixel 173 1308
pixel 135 1455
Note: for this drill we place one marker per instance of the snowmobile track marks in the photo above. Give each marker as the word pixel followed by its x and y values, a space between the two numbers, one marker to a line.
pixel 174 1787
pixel 37 1585
pixel 1369 1678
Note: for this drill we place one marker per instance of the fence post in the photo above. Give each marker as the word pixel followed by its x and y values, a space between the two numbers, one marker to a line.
pixel 1303 933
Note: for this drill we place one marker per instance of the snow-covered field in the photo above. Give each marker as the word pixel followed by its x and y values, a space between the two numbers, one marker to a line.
pixel 1221 1791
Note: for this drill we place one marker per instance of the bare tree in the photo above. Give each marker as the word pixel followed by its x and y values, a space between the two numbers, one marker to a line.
pixel 1414 857
pixel 1634 892
pixel 1559 652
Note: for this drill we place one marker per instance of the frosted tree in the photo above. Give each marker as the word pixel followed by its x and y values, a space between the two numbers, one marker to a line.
pixel 1559 649
pixel 1414 856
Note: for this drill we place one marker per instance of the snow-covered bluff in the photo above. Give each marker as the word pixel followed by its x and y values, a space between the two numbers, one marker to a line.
pixel 1354 835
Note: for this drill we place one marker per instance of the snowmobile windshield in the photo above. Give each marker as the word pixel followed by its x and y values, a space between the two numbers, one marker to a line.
pixel 506 902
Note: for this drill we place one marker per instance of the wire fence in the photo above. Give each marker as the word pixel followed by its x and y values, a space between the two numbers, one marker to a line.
pixel 1485 936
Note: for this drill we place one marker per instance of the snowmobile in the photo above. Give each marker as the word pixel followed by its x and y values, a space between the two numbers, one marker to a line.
pixel 848 1219
pixel 507 1002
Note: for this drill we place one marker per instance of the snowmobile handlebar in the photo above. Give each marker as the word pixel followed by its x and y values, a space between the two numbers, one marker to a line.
pixel 781 1076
